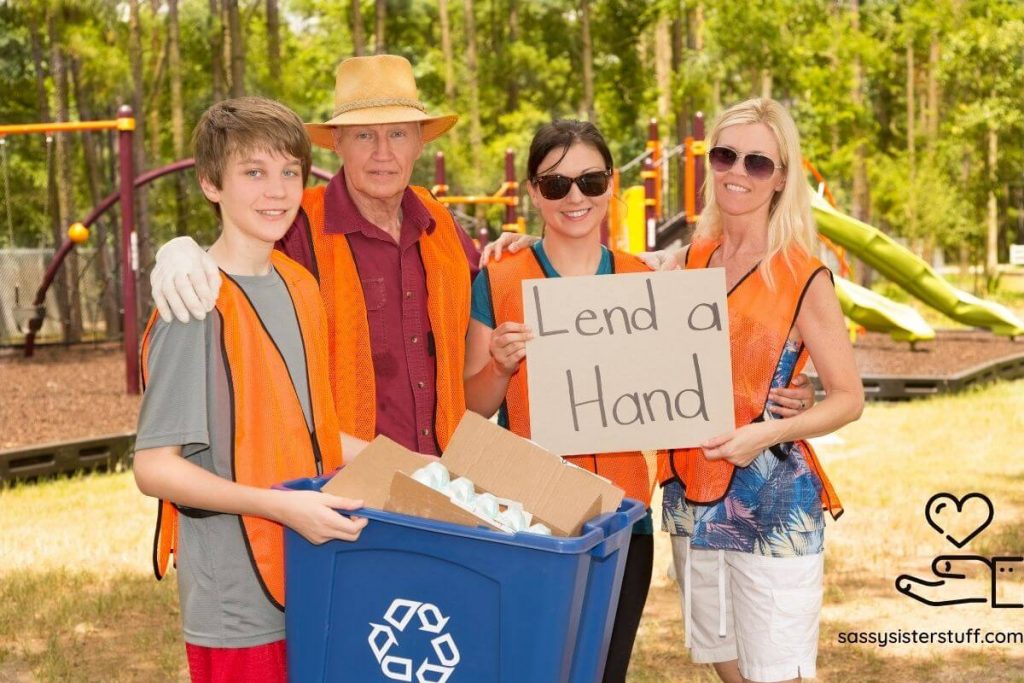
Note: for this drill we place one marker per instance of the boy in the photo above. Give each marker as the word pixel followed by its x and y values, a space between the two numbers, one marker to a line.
pixel 239 402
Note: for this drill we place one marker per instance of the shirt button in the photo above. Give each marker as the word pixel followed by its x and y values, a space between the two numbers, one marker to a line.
pixel 408 294
pixel 415 340
pixel 425 432
pixel 420 385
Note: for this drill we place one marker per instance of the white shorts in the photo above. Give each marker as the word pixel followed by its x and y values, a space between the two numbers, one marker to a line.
pixel 761 611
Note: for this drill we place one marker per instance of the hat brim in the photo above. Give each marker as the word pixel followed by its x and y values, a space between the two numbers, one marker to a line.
pixel 432 126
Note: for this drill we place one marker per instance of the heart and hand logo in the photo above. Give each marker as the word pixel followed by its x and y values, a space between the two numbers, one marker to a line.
pixel 959 519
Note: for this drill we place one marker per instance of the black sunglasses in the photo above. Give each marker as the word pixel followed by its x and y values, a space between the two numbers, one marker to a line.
pixel 758 166
pixel 593 184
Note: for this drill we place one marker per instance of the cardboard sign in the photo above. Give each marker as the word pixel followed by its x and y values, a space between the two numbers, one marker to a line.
pixel 628 362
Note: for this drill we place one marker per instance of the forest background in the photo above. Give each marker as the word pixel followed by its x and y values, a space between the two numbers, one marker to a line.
pixel 911 109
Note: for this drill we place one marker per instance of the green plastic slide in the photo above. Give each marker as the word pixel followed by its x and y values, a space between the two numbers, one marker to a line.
pixel 877 313
pixel 901 266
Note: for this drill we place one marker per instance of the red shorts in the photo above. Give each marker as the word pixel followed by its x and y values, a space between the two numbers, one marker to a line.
pixel 259 664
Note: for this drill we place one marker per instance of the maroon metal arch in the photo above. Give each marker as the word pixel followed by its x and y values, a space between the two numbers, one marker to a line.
pixel 36 322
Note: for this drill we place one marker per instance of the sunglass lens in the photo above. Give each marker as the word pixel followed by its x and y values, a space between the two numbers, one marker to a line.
pixel 554 186
pixel 593 184
pixel 721 158
pixel 759 166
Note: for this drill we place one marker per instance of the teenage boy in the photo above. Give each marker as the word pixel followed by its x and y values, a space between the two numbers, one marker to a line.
pixel 239 402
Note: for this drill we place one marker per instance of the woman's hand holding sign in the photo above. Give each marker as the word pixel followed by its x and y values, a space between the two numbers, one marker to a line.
pixel 742 445
pixel 508 346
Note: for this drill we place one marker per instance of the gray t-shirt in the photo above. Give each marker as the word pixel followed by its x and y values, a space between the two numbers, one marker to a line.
pixel 187 404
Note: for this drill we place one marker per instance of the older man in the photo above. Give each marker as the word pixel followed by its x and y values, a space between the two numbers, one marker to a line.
pixel 394 267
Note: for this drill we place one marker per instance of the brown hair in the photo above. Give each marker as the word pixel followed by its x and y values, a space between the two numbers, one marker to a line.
pixel 247 123
pixel 564 133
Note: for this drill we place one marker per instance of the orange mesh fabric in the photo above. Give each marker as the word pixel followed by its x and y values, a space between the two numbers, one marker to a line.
pixel 626 470
pixel 165 538
pixel 271 442
pixel 448 290
pixel 760 320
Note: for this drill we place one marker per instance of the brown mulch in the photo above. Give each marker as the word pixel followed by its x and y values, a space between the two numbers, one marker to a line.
pixel 950 353
pixel 66 393
pixel 63 393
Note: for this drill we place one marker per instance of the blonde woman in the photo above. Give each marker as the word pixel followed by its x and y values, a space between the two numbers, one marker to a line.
pixel 746 510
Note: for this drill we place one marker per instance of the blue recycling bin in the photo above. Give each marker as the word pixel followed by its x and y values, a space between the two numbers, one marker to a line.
pixel 432 602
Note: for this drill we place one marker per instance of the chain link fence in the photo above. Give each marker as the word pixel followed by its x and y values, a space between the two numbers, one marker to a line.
pixel 92 311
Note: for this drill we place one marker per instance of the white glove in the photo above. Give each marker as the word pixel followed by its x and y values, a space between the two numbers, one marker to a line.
pixel 659 260
pixel 185 281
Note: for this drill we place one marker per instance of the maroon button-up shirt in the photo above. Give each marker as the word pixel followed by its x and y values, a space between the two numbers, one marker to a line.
pixel 395 290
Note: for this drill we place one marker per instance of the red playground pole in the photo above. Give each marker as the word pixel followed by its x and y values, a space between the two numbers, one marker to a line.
pixel 511 187
pixel 129 249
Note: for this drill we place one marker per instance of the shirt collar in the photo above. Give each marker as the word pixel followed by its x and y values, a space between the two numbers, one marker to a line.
pixel 342 217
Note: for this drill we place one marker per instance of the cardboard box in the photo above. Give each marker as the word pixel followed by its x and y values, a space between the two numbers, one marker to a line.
pixel 557 493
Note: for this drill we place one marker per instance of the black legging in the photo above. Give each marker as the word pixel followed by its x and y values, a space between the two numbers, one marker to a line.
pixel 636 582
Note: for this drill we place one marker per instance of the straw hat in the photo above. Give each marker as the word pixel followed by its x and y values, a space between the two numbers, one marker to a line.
pixel 375 90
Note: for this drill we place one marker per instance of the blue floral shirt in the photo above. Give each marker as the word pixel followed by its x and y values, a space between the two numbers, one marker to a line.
pixel 772 507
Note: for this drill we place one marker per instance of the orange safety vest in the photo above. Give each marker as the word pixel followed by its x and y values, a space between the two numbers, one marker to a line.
pixel 448 290
pixel 626 470
pixel 271 442
pixel 760 320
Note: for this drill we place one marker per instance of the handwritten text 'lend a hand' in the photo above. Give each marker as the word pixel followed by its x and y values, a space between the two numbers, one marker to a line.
pixel 637 407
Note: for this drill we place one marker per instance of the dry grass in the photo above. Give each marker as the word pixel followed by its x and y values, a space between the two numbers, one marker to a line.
pixel 78 602
pixel 885 467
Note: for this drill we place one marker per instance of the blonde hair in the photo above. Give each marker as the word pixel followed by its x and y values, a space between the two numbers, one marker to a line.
pixel 790 221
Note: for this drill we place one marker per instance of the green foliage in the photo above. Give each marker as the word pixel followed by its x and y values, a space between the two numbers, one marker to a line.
pixel 812 54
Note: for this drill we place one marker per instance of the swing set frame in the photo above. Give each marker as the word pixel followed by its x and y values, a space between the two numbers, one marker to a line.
pixel 124 124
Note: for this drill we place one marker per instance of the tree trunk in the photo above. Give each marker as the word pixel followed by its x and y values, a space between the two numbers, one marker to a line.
pixel 216 34
pixel 472 78
pixel 108 298
pixel 358 33
pixel 60 291
pixel 237 49
pixel 273 45
pixel 766 83
pixel 512 91
pixel 681 110
pixel 380 34
pixel 587 106
pixel 992 224
pixel 158 55
pixel 177 114
pixel 663 66
pixel 139 155
pixel 449 66
pixel 861 204
pixel 911 143
pixel 934 54
pixel 698 27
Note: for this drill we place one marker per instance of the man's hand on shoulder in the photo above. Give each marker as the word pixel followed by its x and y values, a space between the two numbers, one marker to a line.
pixel 507 241
pixel 185 281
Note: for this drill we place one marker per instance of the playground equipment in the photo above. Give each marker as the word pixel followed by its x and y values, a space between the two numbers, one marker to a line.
pixel 78 232
pixel 125 125
pixel 644 224
pixel 507 195
pixel 912 273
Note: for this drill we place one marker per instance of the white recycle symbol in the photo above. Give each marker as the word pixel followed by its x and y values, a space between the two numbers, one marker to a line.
pixel 382 639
